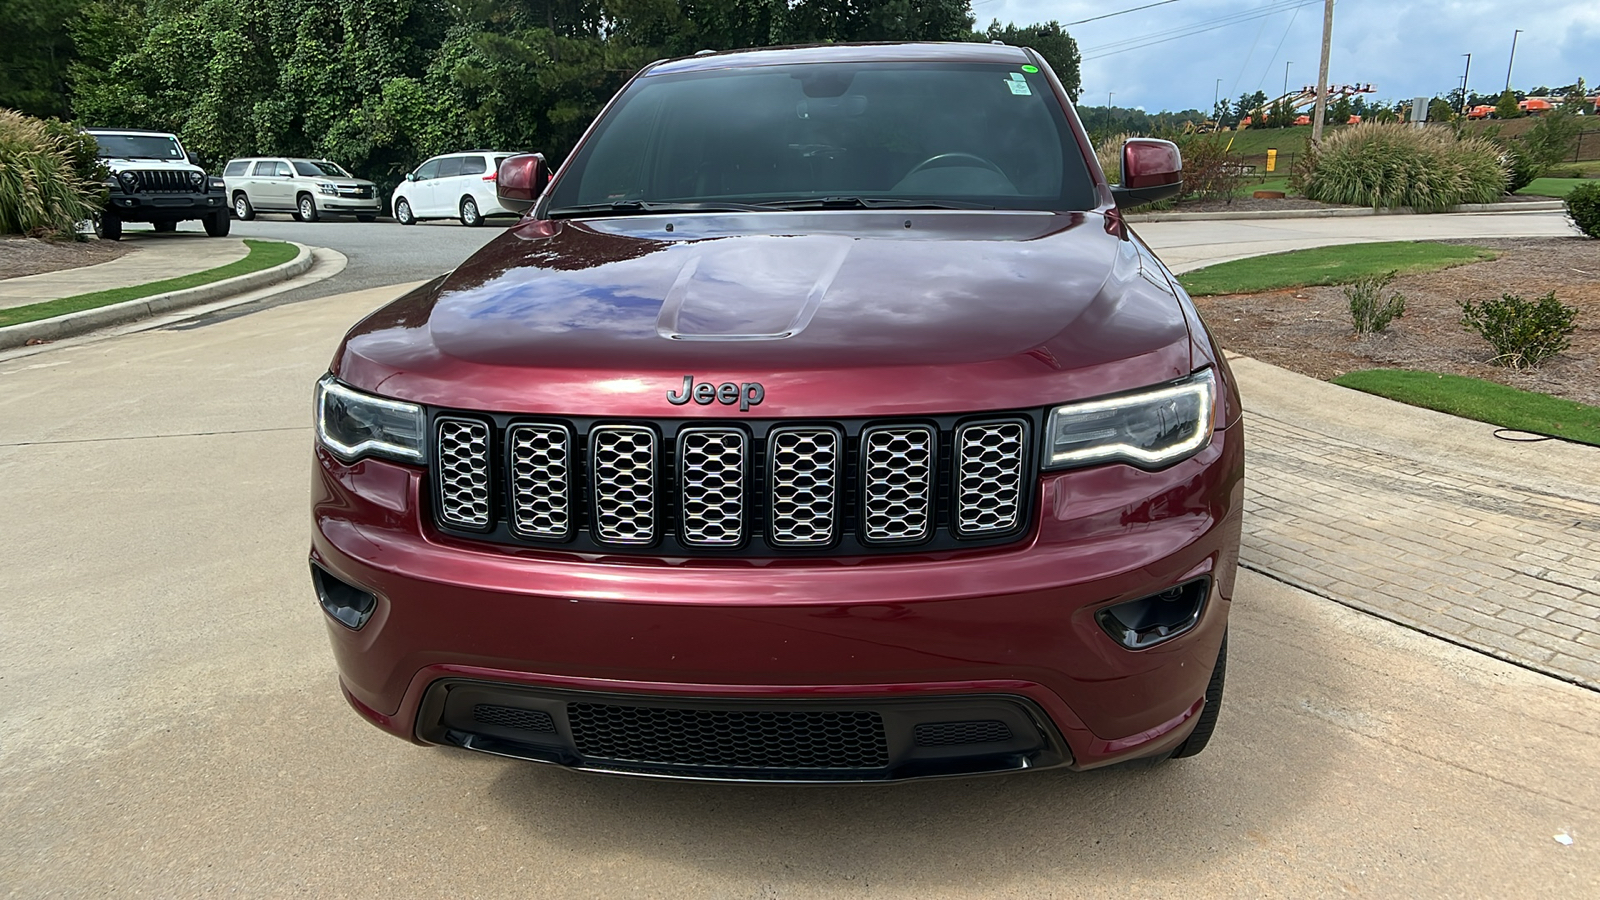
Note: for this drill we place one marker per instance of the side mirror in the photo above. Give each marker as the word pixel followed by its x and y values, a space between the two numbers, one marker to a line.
pixel 520 181
pixel 1151 170
pixel 194 158
pixel 411 176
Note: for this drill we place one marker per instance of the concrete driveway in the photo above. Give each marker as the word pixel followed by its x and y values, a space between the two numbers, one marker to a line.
pixel 171 724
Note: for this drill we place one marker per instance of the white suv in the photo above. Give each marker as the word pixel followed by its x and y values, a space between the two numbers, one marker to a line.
pixel 307 188
pixel 455 185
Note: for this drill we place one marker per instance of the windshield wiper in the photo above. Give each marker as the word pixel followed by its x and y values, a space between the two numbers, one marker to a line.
pixel 636 207
pixel 873 203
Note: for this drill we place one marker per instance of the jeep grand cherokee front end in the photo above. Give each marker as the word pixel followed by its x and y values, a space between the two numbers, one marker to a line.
pixel 822 421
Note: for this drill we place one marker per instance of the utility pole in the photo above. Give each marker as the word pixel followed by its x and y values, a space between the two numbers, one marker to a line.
pixel 1108 112
pixel 1322 76
pixel 1464 76
pixel 1513 57
pixel 1216 97
pixel 1286 65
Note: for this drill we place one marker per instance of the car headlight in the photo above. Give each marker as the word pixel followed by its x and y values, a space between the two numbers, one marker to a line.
pixel 128 180
pixel 327 188
pixel 198 179
pixel 1150 429
pixel 353 425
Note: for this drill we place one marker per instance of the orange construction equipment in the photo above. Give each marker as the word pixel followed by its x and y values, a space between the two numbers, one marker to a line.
pixel 1535 106
pixel 1480 112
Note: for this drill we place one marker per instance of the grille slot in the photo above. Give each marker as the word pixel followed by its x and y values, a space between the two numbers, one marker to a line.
pixel 511 717
pixel 945 734
pixel 541 474
pixel 163 181
pixel 897 469
pixel 464 472
pixel 711 476
pixel 789 739
pixel 804 486
pixel 989 463
pixel 623 469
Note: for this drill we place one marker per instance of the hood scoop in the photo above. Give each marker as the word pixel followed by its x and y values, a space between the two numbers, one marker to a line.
pixel 763 288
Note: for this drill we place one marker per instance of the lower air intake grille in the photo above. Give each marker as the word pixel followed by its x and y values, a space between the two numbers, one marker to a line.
pixel 511 717
pixel 729 738
pixel 944 734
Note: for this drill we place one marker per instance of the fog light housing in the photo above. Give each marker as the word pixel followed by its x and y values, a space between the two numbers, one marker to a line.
pixel 1148 621
pixel 348 604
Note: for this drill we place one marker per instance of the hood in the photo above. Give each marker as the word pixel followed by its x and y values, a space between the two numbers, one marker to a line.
pixel 834 313
pixel 118 164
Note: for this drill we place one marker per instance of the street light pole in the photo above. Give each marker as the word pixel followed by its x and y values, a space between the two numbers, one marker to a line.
pixel 1108 112
pixel 1216 97
pixel 1513 57
pixel 1464 76
pixel 1286 65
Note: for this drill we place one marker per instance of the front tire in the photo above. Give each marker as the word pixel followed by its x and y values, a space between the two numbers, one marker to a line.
pixel 110 227
pixel 218 223
pixel 242 207
pixel 402 212
pixel 307 208
pixel 470 216
pixel 1201 735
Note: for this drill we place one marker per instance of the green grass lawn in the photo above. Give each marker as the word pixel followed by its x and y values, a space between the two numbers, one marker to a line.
pixel 263 255
pixel 1327 265
pixel 1483 401
pixel 1552 187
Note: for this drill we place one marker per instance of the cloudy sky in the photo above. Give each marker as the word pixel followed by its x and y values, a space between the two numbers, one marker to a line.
pixel 1404 49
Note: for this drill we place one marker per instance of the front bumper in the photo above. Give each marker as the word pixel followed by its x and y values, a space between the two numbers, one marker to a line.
pixel 150 207
pixel 1010 630
pixel 349 205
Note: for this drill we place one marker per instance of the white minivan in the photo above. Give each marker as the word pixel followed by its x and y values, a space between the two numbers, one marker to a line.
pixel 454 185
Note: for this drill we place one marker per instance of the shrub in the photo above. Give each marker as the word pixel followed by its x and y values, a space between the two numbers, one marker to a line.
pixel 1523 333
pixel 1368 310
pixel 1521 168
pixel 41 190
pixel 1388 165
pixel 1210 172
pixel 1507 107
pixel 1550 140
pixel 1583 208
pixel 1109 152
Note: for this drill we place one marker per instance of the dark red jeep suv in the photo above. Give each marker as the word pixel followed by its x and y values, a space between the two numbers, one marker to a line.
pixel 821 421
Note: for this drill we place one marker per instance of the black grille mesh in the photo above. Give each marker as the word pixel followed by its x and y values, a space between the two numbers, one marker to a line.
pixel 942 734
pixel 511 717
pixel 794 739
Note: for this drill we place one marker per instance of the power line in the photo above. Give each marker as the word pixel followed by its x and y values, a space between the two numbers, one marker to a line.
pixel 1161 37
pixel 1120 12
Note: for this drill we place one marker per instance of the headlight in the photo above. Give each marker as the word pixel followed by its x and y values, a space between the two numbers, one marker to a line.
pixel 198 179
pixel 129 180
pixel 327 188
pixel 354 425
pixel 1149 429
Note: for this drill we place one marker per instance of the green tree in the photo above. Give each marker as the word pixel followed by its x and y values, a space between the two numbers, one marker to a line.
pixel 1058 48
pixel 1441 111
pixel 1341 112
pixel 38 50
pixel 1506 107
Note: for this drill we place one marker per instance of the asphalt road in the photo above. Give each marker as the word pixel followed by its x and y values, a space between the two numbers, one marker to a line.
pixel 171 725
pixel 379 253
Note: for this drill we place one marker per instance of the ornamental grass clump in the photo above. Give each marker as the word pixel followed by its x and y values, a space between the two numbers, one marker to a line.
pixel 1389 165
pixel 41 191
pixel 1583 207
pixel 1523 333
pixel 1369 312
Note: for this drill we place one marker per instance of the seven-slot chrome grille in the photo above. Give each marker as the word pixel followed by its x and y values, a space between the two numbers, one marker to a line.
pixel 164 181
pixel 694 486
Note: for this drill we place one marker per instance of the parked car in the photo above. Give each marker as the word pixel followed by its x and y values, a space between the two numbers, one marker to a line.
pixel 308 189
pixel 452 186
pixel 823 420
pixel 154 179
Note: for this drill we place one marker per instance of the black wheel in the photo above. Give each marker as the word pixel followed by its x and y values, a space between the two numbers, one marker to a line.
pixel 165 227
pixel 470 216
pixel 361 218
pixel 307 208
pixel 218 223
pixel 1201 735
pixel 110 227
pixel 402 212
pixel 242 207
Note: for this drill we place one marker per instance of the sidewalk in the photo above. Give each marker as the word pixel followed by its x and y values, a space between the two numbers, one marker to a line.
pixel 1415 516
pixel 158 257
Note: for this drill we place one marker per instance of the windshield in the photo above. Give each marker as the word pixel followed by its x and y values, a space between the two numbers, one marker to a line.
pixel 314 168
pixel 138 146
pixel 867 134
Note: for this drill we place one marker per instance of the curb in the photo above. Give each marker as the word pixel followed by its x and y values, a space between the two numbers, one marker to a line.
pixel 72 324
pixel 1342 212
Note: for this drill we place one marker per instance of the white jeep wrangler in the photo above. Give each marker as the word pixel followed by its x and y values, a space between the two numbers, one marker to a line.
pixel 153 179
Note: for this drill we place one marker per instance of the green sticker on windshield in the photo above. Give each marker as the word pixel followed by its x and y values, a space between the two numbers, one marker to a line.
pixel 1030 69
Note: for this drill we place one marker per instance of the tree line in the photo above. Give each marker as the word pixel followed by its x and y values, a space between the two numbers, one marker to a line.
pixel 379 85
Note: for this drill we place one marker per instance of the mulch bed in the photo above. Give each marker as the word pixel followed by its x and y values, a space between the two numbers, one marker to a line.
pixel 1307 330
pixel 29 256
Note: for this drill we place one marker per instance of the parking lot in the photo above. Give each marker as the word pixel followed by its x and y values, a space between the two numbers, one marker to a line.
pixel 173 725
